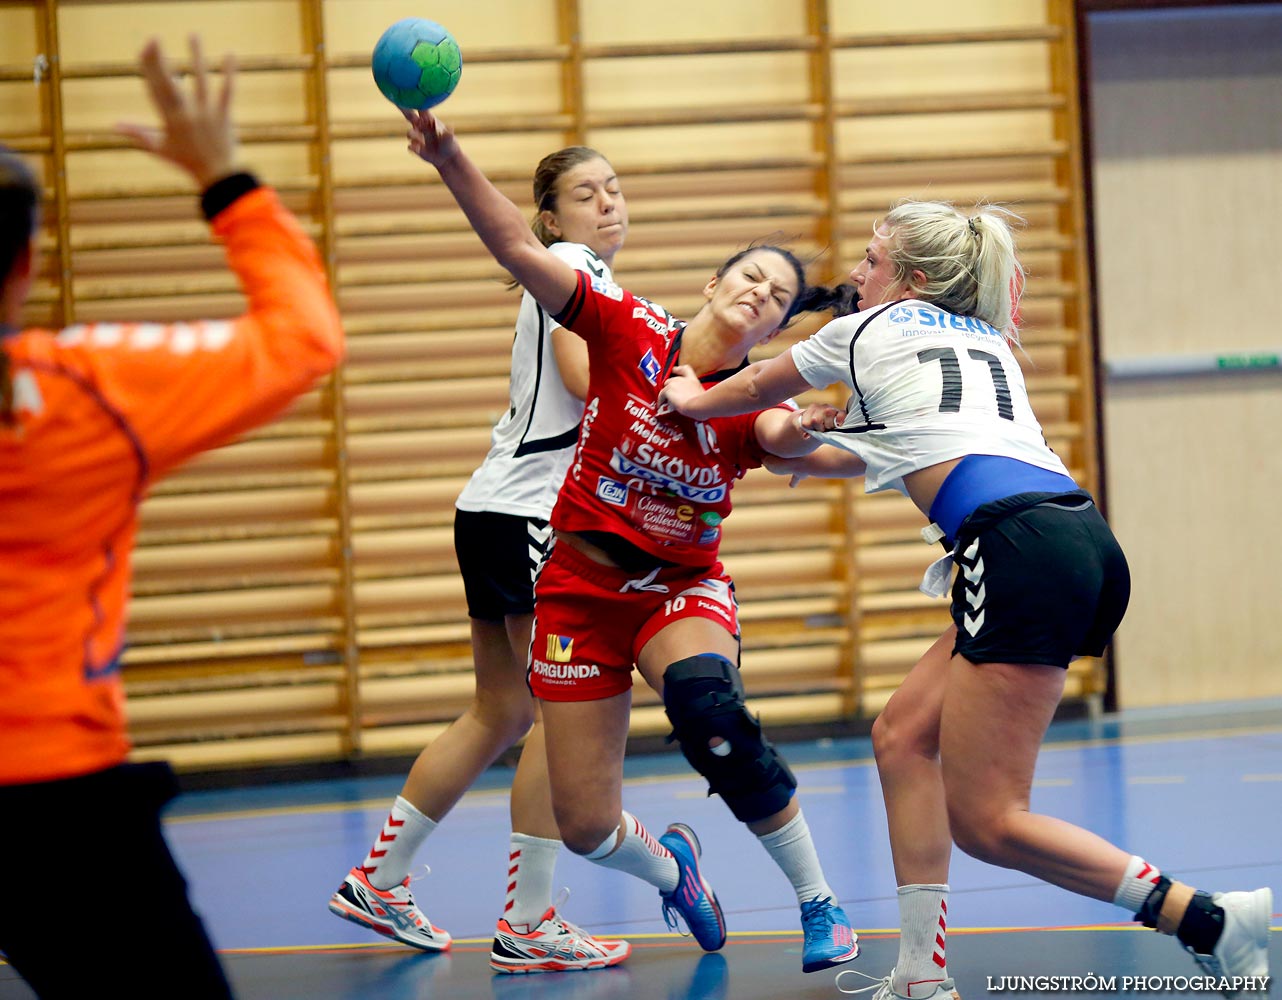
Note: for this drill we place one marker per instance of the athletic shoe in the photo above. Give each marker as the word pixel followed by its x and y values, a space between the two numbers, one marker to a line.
pixel 390 912
pixel 944 990
pixel 693 898
pixel 553 945
pixel 830 940
pixel 1243 948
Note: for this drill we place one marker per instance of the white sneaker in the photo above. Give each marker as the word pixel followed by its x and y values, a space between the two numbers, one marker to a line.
pixel 390 912
pixel 1243 948
pixel 553 945
pixel 943 990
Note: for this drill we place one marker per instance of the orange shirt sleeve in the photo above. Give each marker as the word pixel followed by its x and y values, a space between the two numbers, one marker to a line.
pixel 183 388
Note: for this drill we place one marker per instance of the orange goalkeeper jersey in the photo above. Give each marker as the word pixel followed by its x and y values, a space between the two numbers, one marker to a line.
pixel 101 411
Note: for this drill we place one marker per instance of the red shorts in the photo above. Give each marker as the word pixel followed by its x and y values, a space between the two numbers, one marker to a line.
pixel 592 621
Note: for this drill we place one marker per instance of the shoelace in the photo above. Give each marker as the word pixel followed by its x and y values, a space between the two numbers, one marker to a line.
pixel 670 910
pixel 816 915
pixel 411 877
pixel 670 918
pixel 559 902
pixel 573 929
pixel 881 984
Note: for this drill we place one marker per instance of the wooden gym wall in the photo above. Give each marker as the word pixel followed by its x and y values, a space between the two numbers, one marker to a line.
pixel 1187 135
pixel 297 596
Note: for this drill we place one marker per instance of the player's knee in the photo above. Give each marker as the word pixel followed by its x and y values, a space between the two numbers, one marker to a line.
pixel 583 834
pixel 507 713
pixel 722 740
pixel 884 739
pixel 899 736
pixel 984 835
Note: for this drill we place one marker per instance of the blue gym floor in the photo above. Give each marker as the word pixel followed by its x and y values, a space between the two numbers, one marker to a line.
pixel 1198 792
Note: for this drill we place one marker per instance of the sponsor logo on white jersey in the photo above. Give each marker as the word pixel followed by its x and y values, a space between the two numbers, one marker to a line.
pixel 928 319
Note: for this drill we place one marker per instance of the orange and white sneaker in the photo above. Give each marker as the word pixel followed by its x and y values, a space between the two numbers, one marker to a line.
pixel 390 912
pixel 553 945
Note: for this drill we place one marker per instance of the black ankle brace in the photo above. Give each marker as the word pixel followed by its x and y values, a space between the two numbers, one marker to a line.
pixel 1153 904
pixel 1202 925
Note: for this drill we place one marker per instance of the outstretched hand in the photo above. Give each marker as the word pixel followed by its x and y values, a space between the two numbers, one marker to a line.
pixel 681 389
pixel 430 138
pixel 196 132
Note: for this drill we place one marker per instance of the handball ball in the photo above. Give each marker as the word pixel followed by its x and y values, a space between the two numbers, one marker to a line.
pixel 416 63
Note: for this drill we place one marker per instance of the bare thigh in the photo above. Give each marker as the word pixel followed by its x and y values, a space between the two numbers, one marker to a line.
pixel 994 718
pixel 585 746
pixel 687 637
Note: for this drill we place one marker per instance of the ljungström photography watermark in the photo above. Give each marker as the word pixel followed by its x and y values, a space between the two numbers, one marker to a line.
pixel 1091 983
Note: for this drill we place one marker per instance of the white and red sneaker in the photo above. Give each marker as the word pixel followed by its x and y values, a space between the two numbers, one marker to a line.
pixel 553 945
pixel 933 990
pixel 390 912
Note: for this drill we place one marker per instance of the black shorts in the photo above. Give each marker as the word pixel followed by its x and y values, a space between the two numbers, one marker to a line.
pixel 499 556
pixel 1040 579
pixel 160 949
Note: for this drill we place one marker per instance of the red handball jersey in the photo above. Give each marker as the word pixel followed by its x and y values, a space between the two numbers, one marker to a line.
pixel 660 482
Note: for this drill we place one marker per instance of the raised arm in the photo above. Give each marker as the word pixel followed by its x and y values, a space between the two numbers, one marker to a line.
pixel 763 384
pixel 496 220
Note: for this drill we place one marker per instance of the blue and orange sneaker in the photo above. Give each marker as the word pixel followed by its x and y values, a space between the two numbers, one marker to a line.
pixel 829 938
pixel 693 898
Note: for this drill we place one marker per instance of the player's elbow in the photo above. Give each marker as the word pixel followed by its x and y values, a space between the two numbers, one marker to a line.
pixel 323 332
pixel 305 340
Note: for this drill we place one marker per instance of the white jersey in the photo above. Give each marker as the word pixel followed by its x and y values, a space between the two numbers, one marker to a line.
pixel 928 387
pixel 531 446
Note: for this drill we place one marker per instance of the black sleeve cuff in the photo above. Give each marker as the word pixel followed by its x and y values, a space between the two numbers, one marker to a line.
pixel 220 194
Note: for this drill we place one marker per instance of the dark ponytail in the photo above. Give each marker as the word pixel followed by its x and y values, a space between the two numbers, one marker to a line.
pixel 19 216
pixel 840 301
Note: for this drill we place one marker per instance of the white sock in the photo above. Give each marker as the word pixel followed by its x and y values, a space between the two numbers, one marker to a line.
pixel 922 963
pixel 793 851
pixel 531 862
pixel 1140 880
pixel 639 854
pixel 390 858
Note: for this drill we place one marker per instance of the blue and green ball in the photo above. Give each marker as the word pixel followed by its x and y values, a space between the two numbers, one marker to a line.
pixel 416 63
